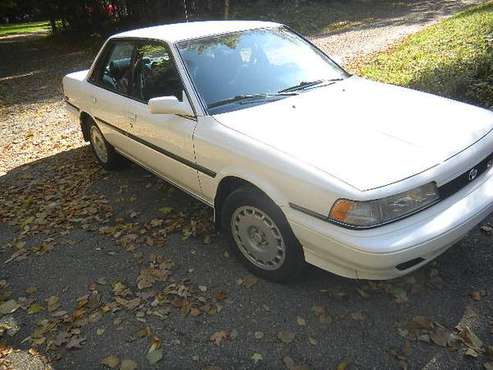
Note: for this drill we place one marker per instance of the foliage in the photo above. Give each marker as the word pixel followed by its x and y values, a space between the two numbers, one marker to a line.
pixel 108 16
pixel 100 16
pixel 453 58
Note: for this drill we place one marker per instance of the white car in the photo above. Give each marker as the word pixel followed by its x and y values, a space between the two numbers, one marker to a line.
pixel 300 160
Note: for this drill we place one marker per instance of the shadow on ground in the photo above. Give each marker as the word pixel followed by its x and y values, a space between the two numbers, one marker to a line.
pixel 73 252
pixel 320 19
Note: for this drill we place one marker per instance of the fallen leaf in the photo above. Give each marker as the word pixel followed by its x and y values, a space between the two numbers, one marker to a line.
pixel 61 339
pixel 75 342
pixel 256 357
pixel 358 316
pixel 400 295
pixel 249 281
pixel 476 296
pixel 166 210
pixel 53 303
pixel 218 337
pixel 471 353
pixel 320 313
pixel 440 336
pixel 31 290
pixel 259 335
pixel 154 356
pixel 220 296
pixel 128 365
pixel 362 293
pixel 470 339
pixel 486 229
pixel 312 341
pixel 111 361
pixel 9 307
pixel 342 365
pixel 488 365
pixel 9 325
pixel 301 321
pixel 35 308
pixel 102 281
pixel 286 336
pixel 195 312
pixel 421 322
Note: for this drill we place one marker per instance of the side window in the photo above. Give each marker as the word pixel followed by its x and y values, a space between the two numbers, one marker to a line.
pixel 116 71
pixel 155 73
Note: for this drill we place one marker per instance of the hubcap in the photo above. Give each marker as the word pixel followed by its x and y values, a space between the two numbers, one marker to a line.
pixel 98 144
pixel 258 238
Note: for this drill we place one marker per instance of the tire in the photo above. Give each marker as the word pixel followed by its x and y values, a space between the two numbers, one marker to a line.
pixel 260 236
pixel 104 152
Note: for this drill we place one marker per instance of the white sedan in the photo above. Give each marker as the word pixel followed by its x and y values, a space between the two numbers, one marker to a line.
pixel 300 160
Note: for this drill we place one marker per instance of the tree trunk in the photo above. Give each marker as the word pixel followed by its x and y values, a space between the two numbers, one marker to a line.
pixel 226 9
pixel 53 24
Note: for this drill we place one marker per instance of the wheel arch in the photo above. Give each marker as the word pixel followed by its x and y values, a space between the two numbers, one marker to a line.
pixel 85 120
pixel 230 183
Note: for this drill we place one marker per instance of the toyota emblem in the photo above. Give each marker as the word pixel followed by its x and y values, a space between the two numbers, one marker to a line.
pixel 473 174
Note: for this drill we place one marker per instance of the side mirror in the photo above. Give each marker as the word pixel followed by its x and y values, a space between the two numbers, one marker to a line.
pixel 169 105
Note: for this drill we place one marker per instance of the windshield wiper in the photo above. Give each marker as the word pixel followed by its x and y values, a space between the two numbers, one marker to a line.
pixel 303 85
pixel 247 98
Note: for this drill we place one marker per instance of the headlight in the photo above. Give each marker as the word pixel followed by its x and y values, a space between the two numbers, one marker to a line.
pixel 373 213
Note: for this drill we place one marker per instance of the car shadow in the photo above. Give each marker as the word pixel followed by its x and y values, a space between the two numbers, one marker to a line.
pixel 80 202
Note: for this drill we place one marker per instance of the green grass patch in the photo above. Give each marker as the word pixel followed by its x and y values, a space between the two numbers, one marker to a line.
pixel 22 28
pixel 453 58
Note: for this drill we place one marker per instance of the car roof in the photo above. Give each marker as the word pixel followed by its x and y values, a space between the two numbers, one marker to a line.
pixel 192 30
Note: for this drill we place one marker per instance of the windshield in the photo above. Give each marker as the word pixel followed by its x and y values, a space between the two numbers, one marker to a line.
pixel 236 70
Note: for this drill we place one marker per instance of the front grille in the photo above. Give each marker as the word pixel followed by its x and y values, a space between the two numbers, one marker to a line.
pixel 459 182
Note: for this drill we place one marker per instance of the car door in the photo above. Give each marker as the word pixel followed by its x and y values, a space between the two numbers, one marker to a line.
pixel 164 140
pixel 110 85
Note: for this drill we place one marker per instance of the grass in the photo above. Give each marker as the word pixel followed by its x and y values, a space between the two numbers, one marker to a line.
pixel 453 58
pixel 22 28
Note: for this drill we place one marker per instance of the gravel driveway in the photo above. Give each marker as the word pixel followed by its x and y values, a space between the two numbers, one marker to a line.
pixel 121 270
pixel 380 30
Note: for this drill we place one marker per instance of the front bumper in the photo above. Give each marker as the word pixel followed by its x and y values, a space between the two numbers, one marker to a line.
pixel 376 253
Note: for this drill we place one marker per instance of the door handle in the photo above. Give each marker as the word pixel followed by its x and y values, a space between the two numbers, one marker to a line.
pixel 94 100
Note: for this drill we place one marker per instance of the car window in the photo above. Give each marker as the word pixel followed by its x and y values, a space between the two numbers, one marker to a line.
pixel 155 74
pixel 116 72
pixel 253 62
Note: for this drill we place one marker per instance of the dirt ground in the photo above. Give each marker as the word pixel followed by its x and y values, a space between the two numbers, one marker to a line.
pixel 122 270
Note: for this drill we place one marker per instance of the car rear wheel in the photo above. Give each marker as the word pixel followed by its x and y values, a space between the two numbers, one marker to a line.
pixel 260 236
pixel 104 151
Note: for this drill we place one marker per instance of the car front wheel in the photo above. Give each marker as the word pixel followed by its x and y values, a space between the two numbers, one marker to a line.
pixel 260 236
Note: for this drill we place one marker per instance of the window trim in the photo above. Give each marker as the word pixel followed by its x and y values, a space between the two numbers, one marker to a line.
pixel 172 60
pixel 110 44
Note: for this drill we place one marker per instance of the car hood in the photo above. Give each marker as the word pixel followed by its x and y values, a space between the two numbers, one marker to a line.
pixel 365 133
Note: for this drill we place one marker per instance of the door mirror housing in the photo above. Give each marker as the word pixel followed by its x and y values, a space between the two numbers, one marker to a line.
pixel 170 105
